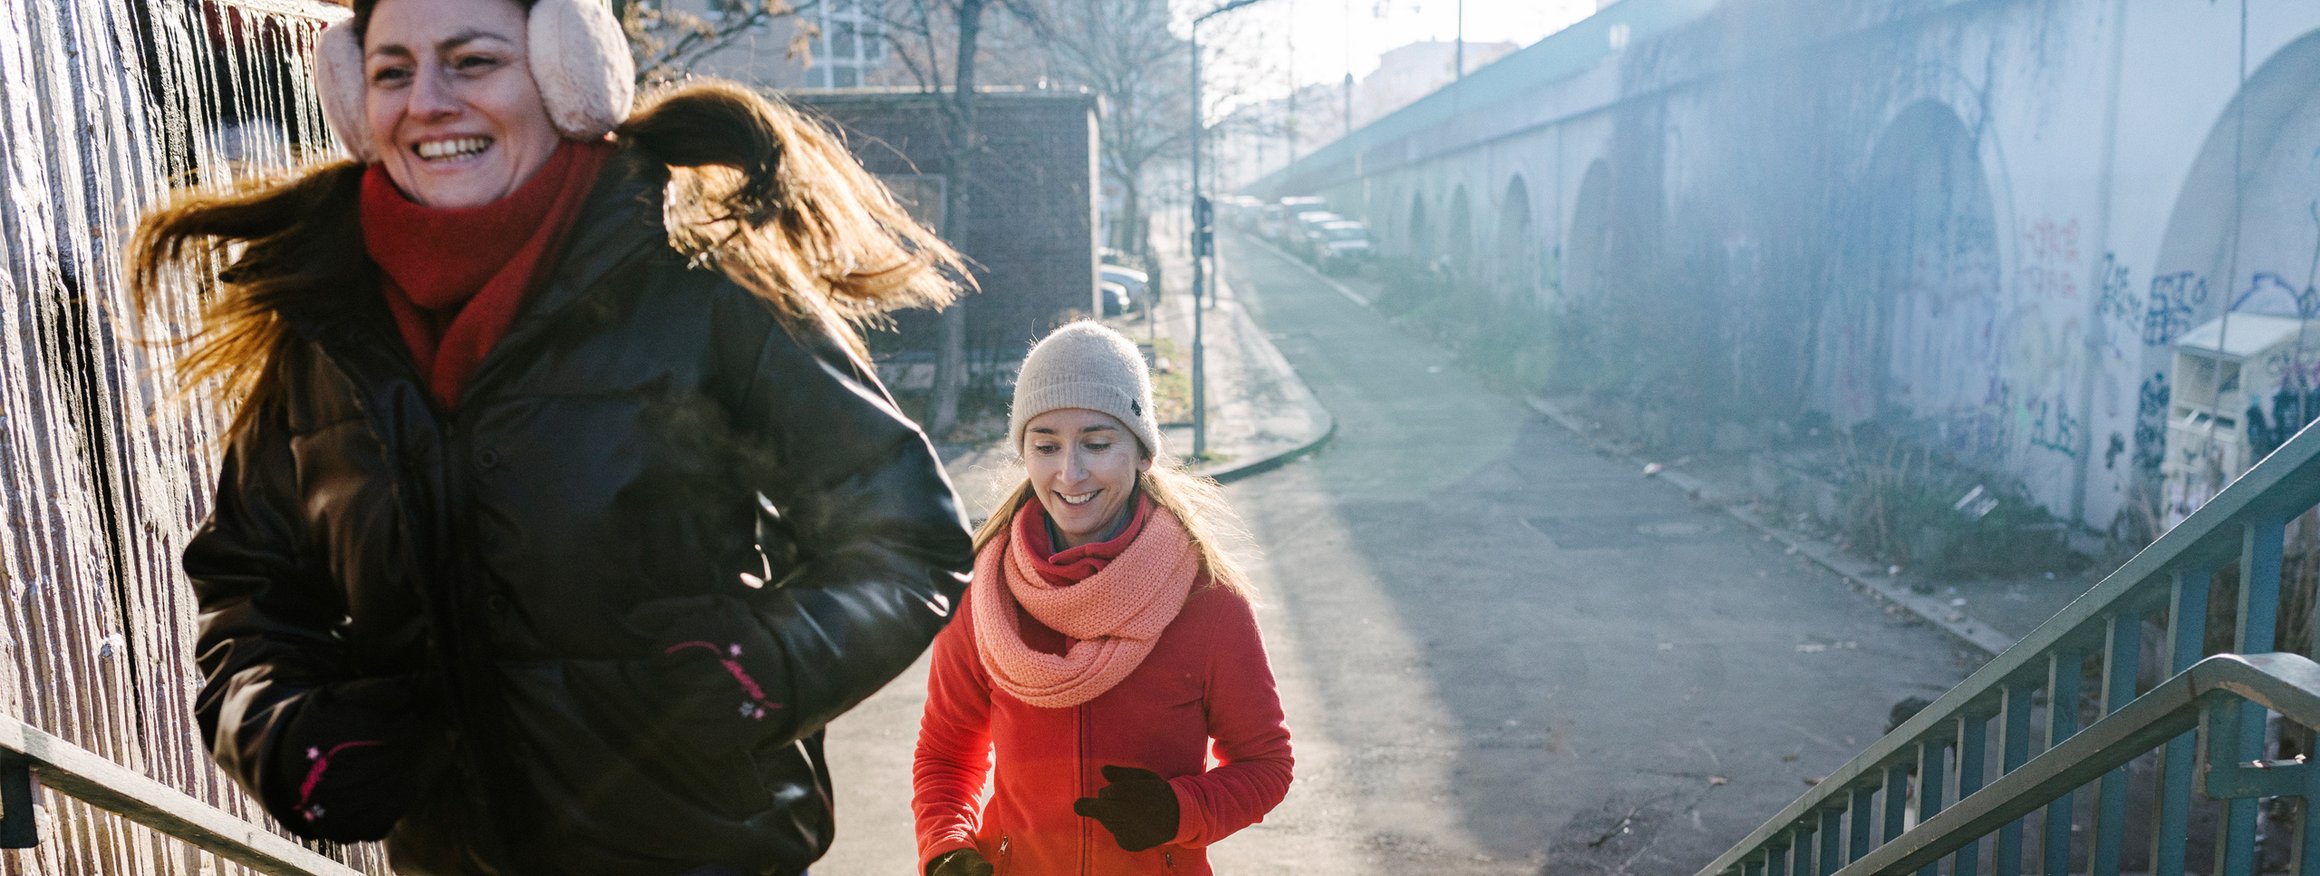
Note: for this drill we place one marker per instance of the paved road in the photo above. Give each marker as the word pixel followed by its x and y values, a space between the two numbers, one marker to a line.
pixel 1507 654
pixel 1500 652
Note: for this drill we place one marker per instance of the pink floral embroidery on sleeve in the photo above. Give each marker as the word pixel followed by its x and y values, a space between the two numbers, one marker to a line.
pixel 730 657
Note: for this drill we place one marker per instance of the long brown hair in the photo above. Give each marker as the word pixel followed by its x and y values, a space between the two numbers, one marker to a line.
pixel 769 197
pixel 1197 502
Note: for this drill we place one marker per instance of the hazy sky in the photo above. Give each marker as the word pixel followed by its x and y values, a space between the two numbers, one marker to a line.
pixel 1322 38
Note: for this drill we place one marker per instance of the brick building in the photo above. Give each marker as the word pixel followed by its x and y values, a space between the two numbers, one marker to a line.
pixel 1030 228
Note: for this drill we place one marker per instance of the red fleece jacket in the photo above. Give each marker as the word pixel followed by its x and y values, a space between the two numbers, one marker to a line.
pixel 1207 679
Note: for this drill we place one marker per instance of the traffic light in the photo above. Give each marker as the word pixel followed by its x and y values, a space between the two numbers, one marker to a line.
pixel 1203 226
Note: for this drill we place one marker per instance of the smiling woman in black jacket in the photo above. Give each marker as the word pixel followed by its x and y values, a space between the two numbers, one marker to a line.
pixel 560 510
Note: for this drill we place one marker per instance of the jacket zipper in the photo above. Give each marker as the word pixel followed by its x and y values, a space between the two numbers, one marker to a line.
pixel 418 499
pixel 1006 855
pixel 1086 830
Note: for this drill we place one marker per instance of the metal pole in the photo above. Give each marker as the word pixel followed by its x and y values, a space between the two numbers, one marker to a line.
pixel 1199 353
pixel 1199 280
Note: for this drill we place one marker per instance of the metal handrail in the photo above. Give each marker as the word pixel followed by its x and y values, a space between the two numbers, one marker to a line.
pixel 28 752
pixel 1946 744
pixel 2285 683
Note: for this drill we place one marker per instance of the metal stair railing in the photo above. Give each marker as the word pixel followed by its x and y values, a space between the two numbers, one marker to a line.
pixel 1974 745
pixel 32 758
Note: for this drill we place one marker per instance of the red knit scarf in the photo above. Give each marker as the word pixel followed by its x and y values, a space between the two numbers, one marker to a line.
pixel 453 278
pixel 1113 611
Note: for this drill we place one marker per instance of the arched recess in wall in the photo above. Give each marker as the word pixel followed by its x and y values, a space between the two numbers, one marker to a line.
pixel 1514 259
pixel 1914 325
pixel 1419 241
pixel 2253 247
pixel 1587 256
pixel 1458 242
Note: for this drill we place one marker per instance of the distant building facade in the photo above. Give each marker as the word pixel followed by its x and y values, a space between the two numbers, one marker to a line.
pixel 1413 71
pixel 1265 136
pixel 847 47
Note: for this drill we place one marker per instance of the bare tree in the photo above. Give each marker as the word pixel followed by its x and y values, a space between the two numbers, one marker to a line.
pixel 932 37
pixel 1125 51
pixel 667 37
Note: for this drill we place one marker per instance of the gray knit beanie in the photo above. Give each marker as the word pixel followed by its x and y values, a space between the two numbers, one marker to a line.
pixel 1085 365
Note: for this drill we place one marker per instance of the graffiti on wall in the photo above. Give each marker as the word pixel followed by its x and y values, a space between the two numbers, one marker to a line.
pixel 2053 428
pixel 2151 424
pixel 2050 260
pixel 2270 294
pixel 2294 400
pixel 2174 302
pixel 2291 406
pixel 2116 307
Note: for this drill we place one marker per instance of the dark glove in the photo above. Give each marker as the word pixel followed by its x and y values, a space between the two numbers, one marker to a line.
pixel 717 675
pixel 1138 807
pixel 353 757
pixel 959 862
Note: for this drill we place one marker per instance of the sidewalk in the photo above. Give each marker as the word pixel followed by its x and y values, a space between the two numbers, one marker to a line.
pixel 1261 415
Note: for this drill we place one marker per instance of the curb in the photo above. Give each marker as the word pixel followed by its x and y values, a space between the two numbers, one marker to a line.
pixel 1252 468
pixel 1859 574
pixel 1255 467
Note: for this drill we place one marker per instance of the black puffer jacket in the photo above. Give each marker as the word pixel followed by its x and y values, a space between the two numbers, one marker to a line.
pixel 594 620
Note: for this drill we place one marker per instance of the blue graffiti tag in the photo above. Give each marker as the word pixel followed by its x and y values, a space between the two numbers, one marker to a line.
pixel 2118 292
pixel 2151 424
pixel 2271 295
pixel 2175 299
pixel 2293 405
pixel 2053 428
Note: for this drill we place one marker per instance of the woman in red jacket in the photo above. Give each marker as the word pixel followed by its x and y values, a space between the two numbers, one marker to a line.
pixel 1105 642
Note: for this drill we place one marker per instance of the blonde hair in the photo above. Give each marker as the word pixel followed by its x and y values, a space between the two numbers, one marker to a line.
pixel 766 195
pixel 1196 501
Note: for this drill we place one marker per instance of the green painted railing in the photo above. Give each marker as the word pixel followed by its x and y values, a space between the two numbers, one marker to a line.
pixel 1974 780
pixel 31 759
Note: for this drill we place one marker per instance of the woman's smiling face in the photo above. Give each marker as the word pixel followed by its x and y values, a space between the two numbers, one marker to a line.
pixel 454 113
pixel 1083 466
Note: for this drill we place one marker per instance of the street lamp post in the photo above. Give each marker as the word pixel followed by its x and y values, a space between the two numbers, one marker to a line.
pixel 1203 242
pixel 1460 62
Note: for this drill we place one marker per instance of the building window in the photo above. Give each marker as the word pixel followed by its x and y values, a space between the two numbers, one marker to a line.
pixel 851 43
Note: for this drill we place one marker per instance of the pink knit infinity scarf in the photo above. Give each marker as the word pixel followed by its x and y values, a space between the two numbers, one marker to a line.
pixel 1114 616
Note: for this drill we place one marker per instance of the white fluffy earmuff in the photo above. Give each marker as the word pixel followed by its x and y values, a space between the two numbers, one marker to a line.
pixel 338 81
pixel 579 60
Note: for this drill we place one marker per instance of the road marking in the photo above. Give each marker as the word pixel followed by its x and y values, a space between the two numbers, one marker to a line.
pixel 1349 294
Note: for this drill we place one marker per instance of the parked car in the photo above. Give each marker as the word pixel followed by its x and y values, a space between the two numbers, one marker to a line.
pixel 1135 283
pixel 1342 247
pixel 1305 240
pixel 1281 219
pixel 1115 298
pixel 1242 212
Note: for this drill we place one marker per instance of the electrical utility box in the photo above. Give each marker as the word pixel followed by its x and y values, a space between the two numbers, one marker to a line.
pixel 2243 384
